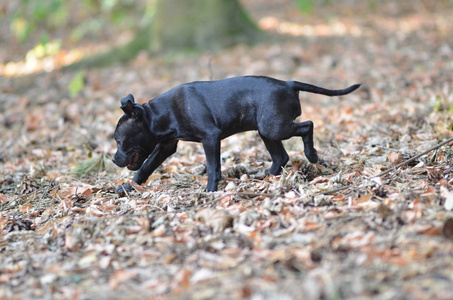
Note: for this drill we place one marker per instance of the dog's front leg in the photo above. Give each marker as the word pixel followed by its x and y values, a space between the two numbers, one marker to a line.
pixel 155 159
pixel 212 151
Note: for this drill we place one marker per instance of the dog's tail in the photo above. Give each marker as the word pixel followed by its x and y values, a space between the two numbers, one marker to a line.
pixel 305 87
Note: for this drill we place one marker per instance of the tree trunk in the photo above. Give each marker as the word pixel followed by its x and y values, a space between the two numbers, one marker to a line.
pixel 182 25
pixel 200 24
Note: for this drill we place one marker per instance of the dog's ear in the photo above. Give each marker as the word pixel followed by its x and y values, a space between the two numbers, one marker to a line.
pixel 127 104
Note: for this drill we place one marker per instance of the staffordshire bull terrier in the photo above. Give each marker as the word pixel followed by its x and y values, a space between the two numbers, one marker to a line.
pixel 209 111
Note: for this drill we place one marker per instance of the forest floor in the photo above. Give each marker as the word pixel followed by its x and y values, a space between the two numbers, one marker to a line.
pixel 333 230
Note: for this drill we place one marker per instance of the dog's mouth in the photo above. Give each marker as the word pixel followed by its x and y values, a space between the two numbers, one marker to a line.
pixel 133 160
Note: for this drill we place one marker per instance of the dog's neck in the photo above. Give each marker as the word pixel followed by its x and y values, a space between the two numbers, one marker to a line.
pixel 156 124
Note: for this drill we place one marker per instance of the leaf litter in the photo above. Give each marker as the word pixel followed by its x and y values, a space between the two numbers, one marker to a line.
pixel 363 223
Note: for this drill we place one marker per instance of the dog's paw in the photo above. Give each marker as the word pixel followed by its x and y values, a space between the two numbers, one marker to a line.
pixel 312 156
pixel 122 189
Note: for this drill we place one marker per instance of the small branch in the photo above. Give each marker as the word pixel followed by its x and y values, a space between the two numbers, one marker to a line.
pixel 247 194
pixel 414 158
pixel 394 168
pixel 336 190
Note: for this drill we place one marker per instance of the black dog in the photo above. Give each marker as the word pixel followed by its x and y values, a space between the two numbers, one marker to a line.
pixel 209 111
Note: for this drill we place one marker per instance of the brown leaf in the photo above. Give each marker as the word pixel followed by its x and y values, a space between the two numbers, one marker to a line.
pixel 428 230
pixel 33 121
pixel 350 176
pixel 363 199
pixel 171 169
pixel 182 280
pixel 25 208
pixel 339 198
pixel 169 258
pixel 76 192
pixel 384 211
pixel 93 210
pixel 218 220
pixel 320 179
pixel 4 199
pixel 121 276
pixel 395 157
pixel 71 242
pixel 48 227
pixel 137 187
pixel 310 226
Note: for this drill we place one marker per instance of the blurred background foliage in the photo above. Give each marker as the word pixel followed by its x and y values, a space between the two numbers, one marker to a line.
pixel 44 25
pixel 34 29
pixel 85 18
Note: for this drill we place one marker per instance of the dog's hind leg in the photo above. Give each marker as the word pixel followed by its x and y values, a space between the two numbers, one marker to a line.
pixel 305 130
pixel 278 154
pixel 276 131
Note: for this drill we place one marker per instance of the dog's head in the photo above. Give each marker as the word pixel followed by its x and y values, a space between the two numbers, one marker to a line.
pixel 132 135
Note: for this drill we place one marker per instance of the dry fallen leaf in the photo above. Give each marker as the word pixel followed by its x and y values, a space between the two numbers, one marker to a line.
pixel 94 211
pixel 181 280
pixel 33 121
pixel 395 157
pixel 137 187
pixel 76 193
pixel 384 211
pixel 218 220
pixel 428 230
pixel 72 241
pixel 4 199
pixel 121 276
pixel 363 199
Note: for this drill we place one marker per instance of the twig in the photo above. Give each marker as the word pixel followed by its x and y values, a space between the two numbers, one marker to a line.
pixel 394 168
pixel 125 192
pixel 336 190
pixel 246 194
pixel 414 158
